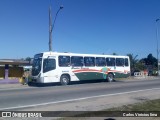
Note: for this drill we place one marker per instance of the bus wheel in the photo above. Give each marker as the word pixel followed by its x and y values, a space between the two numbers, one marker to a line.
pixel 64 80
pixel 110 77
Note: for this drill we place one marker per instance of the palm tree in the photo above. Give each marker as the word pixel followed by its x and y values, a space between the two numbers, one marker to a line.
pixel 133 62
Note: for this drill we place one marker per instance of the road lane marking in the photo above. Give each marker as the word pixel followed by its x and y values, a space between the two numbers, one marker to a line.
pixel 77 99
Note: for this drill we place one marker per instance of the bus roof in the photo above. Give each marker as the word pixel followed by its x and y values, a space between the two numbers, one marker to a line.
pixel 78 54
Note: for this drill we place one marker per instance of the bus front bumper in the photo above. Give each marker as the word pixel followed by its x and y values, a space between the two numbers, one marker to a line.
pixel 37 80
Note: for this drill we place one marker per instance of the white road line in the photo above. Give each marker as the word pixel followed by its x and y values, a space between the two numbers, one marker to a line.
pixel 78 99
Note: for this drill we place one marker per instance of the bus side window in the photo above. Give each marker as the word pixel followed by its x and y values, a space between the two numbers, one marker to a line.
pixel 49 64
pixel 76 61
pixel 119 61
pixel 126 62
pixel 89 61
pixel 64 61
pixel 110 61
pixel 100 61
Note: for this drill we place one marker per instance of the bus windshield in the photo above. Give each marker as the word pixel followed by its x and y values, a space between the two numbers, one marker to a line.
pixel 37 62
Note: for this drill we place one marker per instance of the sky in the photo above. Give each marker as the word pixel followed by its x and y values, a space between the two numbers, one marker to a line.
pixel 82 26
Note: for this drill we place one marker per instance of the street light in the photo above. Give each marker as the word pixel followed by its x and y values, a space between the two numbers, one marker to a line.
pixel 61 7
pixel 157 44
pixel 51 25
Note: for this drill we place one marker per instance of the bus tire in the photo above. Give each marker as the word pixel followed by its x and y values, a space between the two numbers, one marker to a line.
pixel 110 77
pixel 64 80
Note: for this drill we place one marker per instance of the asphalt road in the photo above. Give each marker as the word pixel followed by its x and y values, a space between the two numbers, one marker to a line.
pixel 28 97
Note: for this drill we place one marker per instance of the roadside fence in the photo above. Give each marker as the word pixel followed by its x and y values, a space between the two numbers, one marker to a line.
pixel 141 74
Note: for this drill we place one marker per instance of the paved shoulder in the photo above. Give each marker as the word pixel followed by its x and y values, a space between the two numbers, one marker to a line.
pixel 10 86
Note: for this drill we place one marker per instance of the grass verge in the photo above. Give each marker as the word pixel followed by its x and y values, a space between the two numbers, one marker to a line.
pixel 152 105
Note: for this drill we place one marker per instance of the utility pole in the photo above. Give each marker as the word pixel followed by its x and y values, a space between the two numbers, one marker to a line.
pixel 51 26
pixel 157 45
pixel 50 29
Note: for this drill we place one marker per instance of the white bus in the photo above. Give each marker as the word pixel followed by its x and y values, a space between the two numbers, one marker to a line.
pixel 51 67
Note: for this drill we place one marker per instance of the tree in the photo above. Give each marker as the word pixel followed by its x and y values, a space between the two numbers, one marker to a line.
pixel 148 63
pixel 150 60
pixel 140 66
pixel 114 53
pixel 28 59
pixel 133 61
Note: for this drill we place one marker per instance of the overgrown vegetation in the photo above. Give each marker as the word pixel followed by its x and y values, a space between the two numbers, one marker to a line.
pixel 150 105
pixel 148 64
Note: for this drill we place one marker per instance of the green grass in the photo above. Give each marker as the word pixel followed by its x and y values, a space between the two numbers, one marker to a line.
pixel 152 105
pixel 126 78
